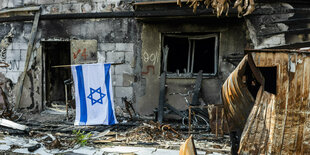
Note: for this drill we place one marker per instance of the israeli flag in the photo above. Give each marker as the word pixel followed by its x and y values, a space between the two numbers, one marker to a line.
pixel 93 94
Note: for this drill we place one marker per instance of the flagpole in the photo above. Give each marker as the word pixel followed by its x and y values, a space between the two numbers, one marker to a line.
pixel 63 66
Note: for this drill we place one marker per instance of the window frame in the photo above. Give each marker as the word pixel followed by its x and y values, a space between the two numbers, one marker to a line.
pixel 191 52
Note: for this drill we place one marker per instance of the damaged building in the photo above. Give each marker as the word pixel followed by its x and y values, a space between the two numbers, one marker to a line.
pixel 157 50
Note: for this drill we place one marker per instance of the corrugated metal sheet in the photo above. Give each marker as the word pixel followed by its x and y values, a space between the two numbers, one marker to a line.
pixel 280 123
pixel 237 99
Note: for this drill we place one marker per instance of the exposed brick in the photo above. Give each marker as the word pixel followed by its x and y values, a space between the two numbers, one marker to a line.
pixel 107 46
pixel 117 80
pixel 115 57
pixel 124 68
pixel 45 2
pixel 124 47
pixel 101 57
pixel 129 57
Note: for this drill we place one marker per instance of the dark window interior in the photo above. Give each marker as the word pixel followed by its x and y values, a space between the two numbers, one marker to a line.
pixel 204 55
pixel 183 48
pixel 270 75
pixel 177 56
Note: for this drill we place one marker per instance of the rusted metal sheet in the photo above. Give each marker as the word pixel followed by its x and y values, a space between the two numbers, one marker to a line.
pixel 278 123
pixel 236 96
pixel 83 51
pixel 255 136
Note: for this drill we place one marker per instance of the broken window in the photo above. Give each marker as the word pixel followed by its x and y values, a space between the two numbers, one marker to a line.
pixel 184 55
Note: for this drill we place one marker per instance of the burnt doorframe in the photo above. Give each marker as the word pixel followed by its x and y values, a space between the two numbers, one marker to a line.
pixel 45 68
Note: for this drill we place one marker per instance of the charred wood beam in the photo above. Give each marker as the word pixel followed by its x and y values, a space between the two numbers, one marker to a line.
pixel 180 12
pixel 284 1
pixel 293 21
pixel 294 31
pixel 293 45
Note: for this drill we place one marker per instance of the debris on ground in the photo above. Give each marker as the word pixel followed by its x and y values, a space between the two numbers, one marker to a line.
pixel 51 133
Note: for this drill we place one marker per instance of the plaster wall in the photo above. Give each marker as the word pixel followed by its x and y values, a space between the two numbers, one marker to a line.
pixel 231 41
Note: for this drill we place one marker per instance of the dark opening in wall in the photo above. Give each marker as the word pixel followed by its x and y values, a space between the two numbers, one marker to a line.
pixel 204 54
pixel 190 53
pixel 56 53
pixel 270 75
pixel 251 82
pixel 178 54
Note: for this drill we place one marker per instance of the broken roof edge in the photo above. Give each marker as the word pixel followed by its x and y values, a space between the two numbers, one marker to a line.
pixel 20 9
pixel 301 50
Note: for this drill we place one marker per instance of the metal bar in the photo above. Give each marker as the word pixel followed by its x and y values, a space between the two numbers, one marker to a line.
pixel 188 56
pixel 165 52
pixel 216 54
pixel 162 97
pixel 63 66
pixel 67 104
pixel 193 56
pixel 189 120
pixel 29 51
pixel 216 118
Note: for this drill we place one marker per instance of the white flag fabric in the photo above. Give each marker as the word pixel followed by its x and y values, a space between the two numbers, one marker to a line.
pixel 93 94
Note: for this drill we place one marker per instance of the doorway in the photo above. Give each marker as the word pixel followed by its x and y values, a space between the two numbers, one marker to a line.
pixel 56 53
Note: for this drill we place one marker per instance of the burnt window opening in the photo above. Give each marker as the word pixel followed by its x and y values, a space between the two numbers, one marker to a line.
pixel 186 55
pixel 56 53
pixel 270 75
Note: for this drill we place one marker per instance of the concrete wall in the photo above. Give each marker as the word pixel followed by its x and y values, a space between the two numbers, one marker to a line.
pixel 118 41
pixel 231 40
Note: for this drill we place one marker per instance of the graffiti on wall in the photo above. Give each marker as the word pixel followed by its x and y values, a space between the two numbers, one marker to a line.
pixel 150 59
pixel 83 51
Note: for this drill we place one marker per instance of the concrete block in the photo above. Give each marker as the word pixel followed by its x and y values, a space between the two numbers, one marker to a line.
pixel 45 2
pixel 117 80
pixel 128 80
pixel 66 8
pixel 76 8
pixel 124 68
pixel 101 57
pixel 61 1
pixel 124 47
pixel 107 46
pixel 115 57
pixel 123 92
pixel 129 57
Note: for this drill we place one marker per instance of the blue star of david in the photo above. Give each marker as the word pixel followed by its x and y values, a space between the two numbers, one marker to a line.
pixel 91 97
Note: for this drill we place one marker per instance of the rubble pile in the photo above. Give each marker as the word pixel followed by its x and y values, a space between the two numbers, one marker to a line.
pixel 152 132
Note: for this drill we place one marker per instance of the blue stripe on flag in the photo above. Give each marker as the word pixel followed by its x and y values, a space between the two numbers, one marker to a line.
pixel 83 107
pixel 111 119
